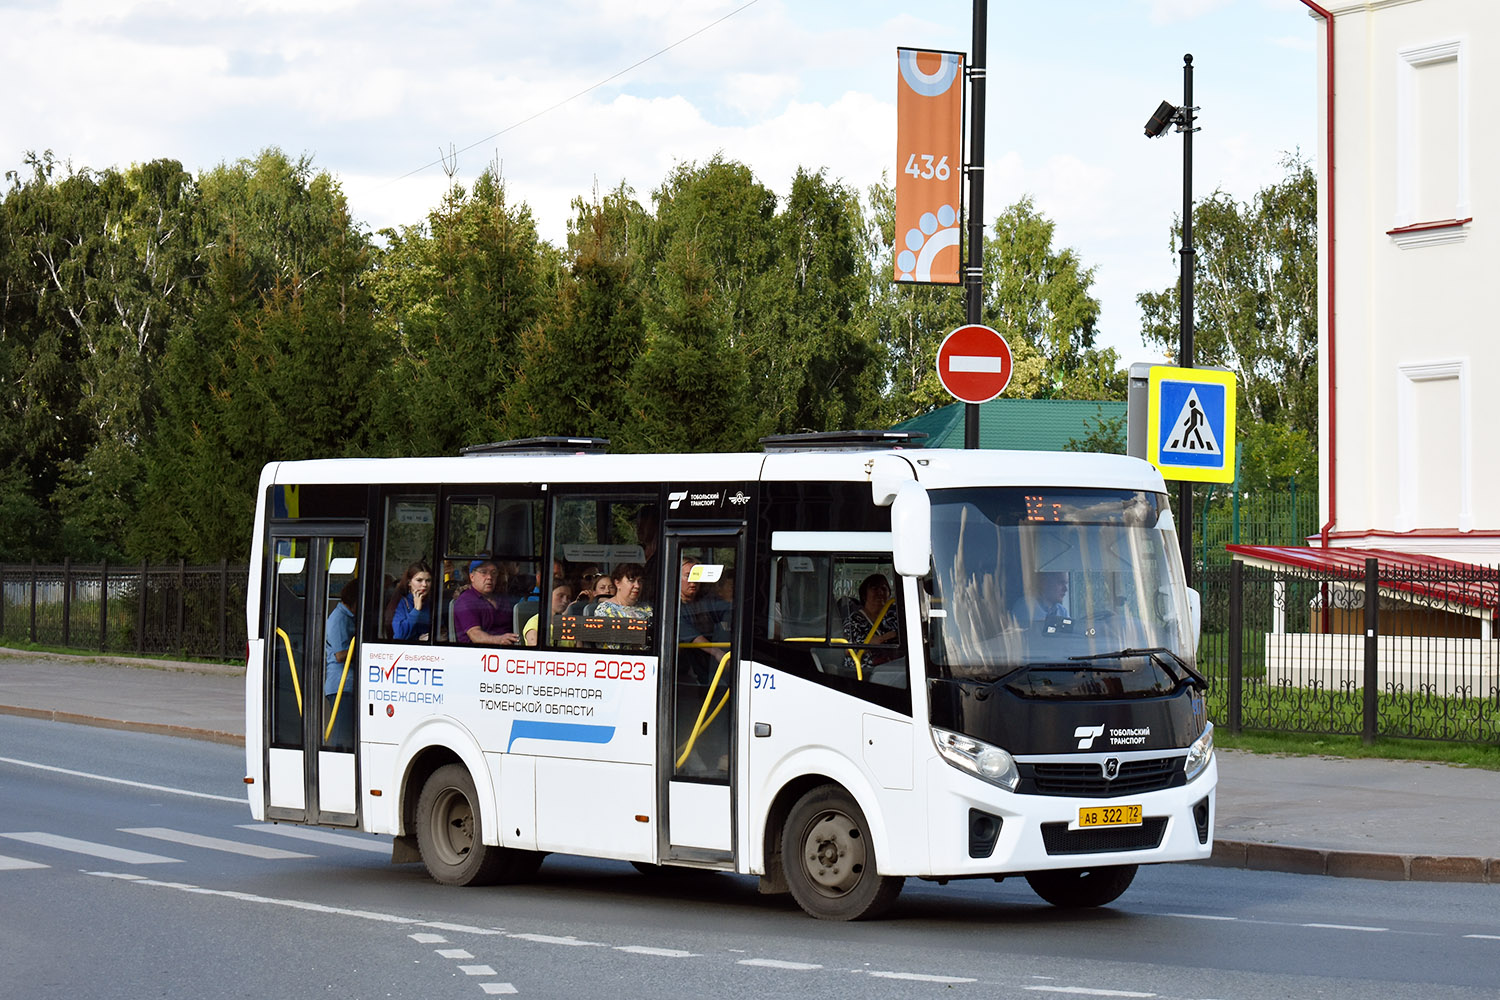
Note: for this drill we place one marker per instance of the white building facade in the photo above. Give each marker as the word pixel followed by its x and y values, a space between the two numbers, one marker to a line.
pixel 1409 253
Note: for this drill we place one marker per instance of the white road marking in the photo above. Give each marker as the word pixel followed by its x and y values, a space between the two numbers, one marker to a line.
pixel 462 928
pixel 109 853
pixel 294 904
pixel 476 970
pixel 428 938
pixel 237 800
pixel 639 949
pixel 16 864
pixel 321 837
pixel 1484 937
pixel 1199 916
pixel 454 953
pixel 1347 927
pixel 553 939
pixel 922 977
pixel 776 963
pixel 495 989
pixel 1085 991
pixel 214 843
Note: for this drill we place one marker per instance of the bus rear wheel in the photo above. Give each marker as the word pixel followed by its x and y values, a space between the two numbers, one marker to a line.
pixel 829 859
pixel 1075 888
pixel 450 839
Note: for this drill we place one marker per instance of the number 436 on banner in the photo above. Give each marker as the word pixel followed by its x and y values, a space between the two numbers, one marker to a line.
pixel 929 157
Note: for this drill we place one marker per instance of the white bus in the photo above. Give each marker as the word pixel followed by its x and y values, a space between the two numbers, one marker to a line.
pixel 836 664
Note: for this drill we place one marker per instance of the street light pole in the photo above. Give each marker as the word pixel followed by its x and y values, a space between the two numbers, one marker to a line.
pixel 974 273
pixel 1185 323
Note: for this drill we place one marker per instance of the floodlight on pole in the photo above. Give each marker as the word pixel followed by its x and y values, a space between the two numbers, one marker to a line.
pixel 1166 114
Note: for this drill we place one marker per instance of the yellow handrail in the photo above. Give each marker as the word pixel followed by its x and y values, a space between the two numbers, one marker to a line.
pixel 348 658
pixel 292 661
pixel 857 655
pixel 701 725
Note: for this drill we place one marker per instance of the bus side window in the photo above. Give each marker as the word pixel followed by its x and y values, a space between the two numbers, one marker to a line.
pixel 592 536
pixel 823 626
pixel 410 538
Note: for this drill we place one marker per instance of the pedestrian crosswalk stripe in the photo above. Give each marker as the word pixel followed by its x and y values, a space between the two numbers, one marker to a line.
pixel 321 837
pixel 17 864
pixel 108 852
pixel 215 843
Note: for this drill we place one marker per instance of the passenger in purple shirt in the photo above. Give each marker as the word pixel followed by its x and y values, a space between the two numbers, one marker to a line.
pixel 480 616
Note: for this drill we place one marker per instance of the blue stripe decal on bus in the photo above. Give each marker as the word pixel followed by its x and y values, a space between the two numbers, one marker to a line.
pixel 568 732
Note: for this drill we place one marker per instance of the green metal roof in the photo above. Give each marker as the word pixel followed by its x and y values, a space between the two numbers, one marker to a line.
pixel 1024 424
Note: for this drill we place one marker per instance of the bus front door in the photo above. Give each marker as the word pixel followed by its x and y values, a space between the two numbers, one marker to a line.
pixel 700 626
pixel 311 712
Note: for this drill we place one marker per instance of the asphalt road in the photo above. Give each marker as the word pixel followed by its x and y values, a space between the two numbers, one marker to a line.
pixel 257 911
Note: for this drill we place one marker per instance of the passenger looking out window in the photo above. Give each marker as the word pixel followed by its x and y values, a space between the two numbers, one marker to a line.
pixel 562 596
pixel 628 580
pixel 481 615
pixel 875 605
pixel 410 610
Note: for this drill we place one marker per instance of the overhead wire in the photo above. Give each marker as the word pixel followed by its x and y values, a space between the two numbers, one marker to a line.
pixel 613 76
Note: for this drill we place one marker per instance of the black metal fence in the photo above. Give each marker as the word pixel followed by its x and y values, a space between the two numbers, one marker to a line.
pixel 182 610
pixel 1319 652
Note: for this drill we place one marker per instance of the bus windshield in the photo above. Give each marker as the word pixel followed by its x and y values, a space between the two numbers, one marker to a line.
pixel 1059 593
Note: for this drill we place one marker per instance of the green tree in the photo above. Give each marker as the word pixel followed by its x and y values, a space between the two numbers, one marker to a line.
pixel 94 265
pixel 456 294
pixel 1105 434
pixel 575 363
pixel 1041 297
pixel 814 360
pixel 1255 293
pixel 688 377
pixel 281 358
pixel 143 262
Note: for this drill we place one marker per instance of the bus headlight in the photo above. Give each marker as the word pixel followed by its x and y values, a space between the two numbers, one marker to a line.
pixel 978 758
pixel 1200 753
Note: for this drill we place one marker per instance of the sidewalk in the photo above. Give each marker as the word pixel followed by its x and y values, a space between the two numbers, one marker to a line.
pixel 1400 820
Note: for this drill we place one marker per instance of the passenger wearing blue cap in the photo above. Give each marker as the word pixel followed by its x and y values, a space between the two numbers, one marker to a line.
pixel 479 617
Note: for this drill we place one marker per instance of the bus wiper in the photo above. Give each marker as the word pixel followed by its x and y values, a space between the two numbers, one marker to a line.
pixel 1160 655
pixel 1056 667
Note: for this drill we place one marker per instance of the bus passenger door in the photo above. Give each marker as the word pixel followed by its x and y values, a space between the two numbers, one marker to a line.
pixel 311 712
pixel 700 624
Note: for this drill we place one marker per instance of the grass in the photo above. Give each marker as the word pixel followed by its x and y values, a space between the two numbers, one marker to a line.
pixel 1314 745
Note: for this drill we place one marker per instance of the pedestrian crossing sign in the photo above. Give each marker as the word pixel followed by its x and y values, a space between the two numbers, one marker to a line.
pixel 1190 420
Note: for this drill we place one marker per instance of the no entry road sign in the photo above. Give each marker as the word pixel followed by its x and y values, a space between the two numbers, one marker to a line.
pixel 974 364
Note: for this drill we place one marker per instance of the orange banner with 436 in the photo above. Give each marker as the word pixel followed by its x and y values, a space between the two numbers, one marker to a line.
pixel 929 165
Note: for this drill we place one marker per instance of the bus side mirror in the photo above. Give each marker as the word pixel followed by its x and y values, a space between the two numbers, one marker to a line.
pixel 1195 614
pixel 911 530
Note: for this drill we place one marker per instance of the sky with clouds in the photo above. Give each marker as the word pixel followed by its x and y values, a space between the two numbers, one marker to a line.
pixel 375 90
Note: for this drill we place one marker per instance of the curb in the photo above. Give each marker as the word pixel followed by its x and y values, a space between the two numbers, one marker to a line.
pixel 1352 864
pixel 156 728
pixel 109 660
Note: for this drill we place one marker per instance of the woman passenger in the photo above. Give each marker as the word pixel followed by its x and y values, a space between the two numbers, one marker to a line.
pixel 562 596
pixel 624 600
pixel 410 611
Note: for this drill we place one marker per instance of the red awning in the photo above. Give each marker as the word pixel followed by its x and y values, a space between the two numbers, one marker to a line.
pixel 1466 587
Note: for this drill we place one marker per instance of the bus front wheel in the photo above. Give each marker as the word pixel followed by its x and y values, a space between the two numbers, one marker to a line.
pixel 830 861
pixel 1074 888
pixel 450 840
